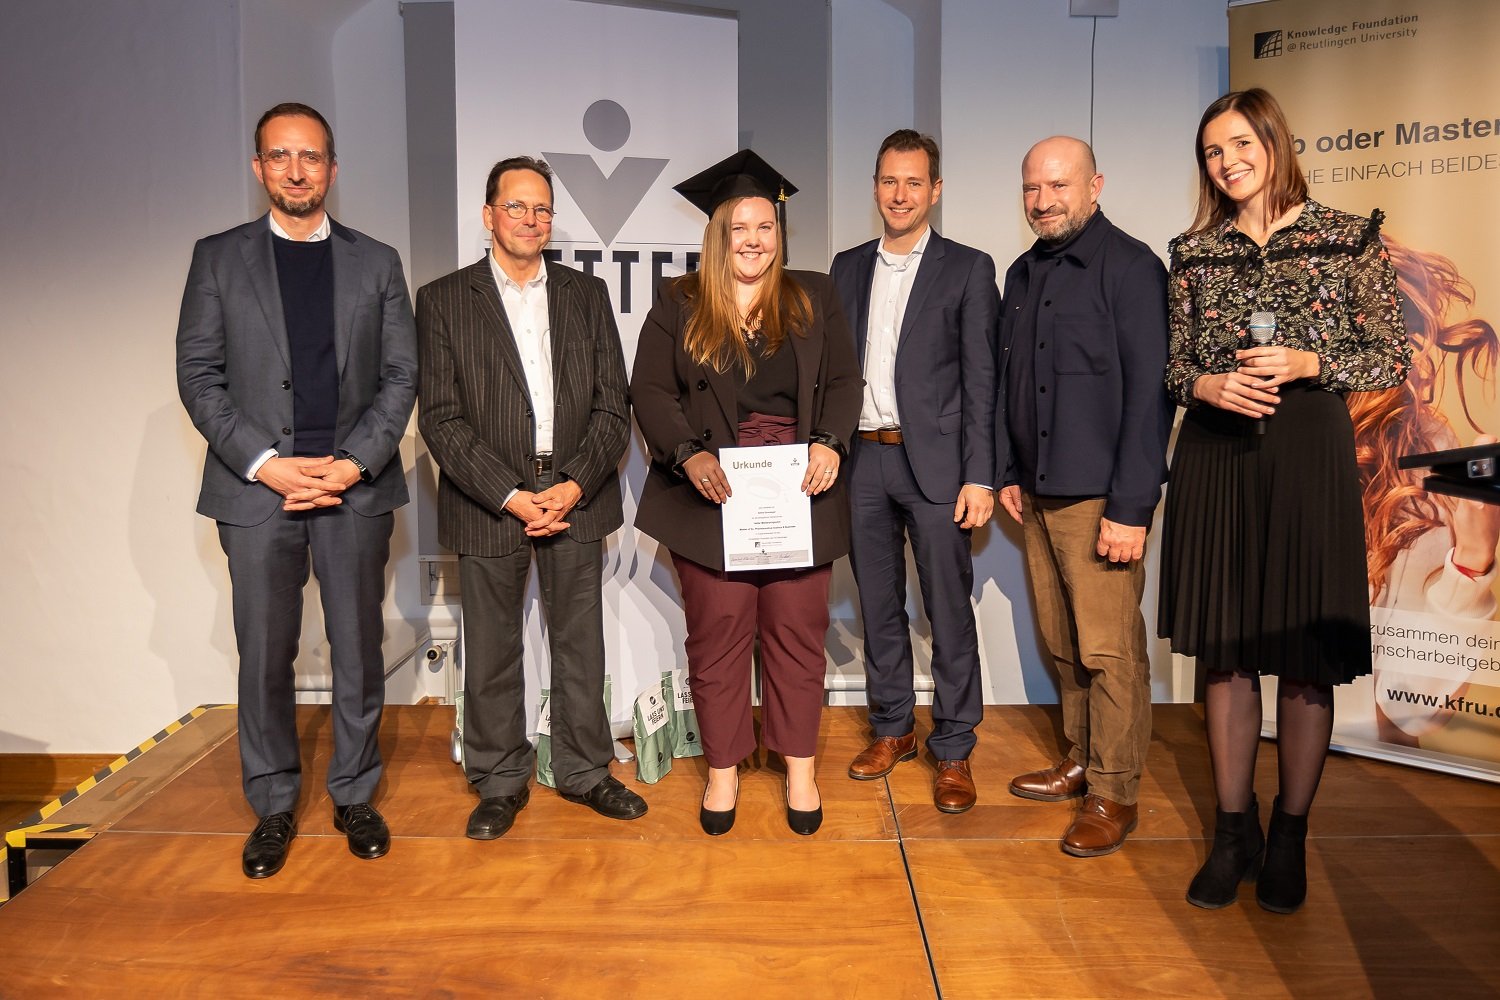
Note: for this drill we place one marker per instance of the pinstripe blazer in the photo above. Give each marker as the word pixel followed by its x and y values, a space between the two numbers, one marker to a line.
pixel 475 412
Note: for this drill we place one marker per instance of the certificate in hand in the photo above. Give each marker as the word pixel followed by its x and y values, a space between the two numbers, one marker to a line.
pixel 768 519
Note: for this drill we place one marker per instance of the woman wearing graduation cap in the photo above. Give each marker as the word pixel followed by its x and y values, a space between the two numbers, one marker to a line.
pixel 746 352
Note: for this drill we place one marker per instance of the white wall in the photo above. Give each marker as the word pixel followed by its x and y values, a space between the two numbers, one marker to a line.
pixel 127 130
pixel 1013 72
pixel 874 93
pixel 127 138
pixel 1016 72
pixel 123 145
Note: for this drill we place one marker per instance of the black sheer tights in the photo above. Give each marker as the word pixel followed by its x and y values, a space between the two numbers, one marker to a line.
pixel 1304 725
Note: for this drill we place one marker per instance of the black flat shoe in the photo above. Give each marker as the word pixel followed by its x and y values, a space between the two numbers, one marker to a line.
pixel 494 816
pixel 611 799
pixel 717 822
pixel 369 837
pixel 266 847
pixel 803 821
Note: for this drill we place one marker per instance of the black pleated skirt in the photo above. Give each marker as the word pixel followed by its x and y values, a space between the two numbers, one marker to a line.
pixel 1263 551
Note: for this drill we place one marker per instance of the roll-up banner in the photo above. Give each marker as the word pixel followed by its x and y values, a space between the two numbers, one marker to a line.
pixel 622 102
pixel 1395 105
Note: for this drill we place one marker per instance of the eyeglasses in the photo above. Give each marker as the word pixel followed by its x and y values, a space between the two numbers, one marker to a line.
pixel 516 210
pixel 279 159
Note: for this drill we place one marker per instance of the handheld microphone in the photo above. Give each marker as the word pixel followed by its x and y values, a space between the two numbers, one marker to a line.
pixel 1262 332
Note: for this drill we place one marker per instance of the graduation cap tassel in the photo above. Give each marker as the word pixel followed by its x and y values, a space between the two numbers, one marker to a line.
pixel 781 218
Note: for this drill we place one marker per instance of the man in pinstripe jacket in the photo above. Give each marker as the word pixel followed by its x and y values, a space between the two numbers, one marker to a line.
pixel 524 404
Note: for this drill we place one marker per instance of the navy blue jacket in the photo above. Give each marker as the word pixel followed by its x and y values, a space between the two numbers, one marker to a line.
pixel 1099 354
pixel 945 360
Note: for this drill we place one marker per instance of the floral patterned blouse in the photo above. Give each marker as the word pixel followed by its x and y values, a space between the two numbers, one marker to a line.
pixel 1326 276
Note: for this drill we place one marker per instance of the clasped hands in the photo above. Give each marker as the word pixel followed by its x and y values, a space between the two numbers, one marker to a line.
pixel 1251 390
pixel 308 483
pixel 546 513
pixel 707 475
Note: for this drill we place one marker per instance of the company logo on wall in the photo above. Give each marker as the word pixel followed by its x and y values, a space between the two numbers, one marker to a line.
pixel 1339 35
pixel 606 202
pixel 1267 44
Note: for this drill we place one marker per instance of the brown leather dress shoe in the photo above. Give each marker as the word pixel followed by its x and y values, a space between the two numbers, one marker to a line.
pixel 881 757
pixel 954 791
pixel 1063 780
pixel 1099 828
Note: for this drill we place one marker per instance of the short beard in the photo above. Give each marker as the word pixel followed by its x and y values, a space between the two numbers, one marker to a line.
pixel 296 209
pixel 1069 230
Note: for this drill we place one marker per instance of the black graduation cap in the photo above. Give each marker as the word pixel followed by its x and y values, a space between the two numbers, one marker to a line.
pixel 743 175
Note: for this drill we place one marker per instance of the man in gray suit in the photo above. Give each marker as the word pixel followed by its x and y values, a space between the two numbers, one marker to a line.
pixel 296 360
pixel 525 407
pixel 924 312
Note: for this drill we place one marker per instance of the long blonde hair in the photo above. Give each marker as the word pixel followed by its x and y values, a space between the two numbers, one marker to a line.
pixel 1406 419
pixel 712 335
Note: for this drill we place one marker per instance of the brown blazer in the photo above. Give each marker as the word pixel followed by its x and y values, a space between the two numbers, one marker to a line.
pixel 677 400
pixel 475 411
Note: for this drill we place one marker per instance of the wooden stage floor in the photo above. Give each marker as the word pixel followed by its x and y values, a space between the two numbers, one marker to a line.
pixel 890 899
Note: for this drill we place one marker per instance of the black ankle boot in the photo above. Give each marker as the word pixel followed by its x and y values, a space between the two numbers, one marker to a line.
pixel 1235 858
pixel 1283 880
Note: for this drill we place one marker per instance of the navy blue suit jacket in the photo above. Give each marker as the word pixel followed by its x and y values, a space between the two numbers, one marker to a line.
pixel 945 360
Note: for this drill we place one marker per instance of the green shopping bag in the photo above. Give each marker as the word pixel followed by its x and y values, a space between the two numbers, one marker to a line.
pixel 653 735
pixel 685 737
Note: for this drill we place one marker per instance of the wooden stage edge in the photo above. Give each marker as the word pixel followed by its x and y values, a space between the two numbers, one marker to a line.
pixel 889 899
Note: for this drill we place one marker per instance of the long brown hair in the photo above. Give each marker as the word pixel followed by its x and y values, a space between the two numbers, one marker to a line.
pixel 1284 188
pixel 712 335
pixel 1406 419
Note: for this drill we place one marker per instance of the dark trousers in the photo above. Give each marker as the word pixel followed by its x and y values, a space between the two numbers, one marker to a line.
pixel 498 758
pixel 888 507
pixel 268 569
pixel 724 611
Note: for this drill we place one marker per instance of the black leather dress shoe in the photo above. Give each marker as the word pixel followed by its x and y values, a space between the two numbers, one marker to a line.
pixel 369 838
pixel 612 799
pixel 266 847
pixel 494 816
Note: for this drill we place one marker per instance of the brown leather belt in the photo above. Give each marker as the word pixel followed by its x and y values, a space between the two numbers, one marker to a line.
pixel 886 435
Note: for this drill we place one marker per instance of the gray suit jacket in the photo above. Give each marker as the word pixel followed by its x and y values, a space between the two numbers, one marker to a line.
pixel 234 369
pixel 945 360
pixel 476 411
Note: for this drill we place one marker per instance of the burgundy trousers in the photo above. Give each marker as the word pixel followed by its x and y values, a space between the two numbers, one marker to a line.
pixel 724 612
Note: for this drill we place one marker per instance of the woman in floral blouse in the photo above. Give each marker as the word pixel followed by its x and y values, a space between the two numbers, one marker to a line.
pixel 1263 570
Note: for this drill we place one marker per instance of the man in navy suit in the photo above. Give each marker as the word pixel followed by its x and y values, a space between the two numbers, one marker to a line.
pixel 924 312
pixel 297 361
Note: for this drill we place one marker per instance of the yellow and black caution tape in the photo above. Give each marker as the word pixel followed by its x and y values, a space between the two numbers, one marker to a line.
pixel 36 823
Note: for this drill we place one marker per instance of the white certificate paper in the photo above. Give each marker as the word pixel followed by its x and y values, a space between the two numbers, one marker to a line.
pixel 768 520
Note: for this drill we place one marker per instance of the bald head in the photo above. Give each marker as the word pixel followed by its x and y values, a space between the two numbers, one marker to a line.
pixel 1060 185
pixel 1064 149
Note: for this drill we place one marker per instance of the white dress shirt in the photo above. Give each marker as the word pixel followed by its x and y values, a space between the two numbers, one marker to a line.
pixel 889 292
pixel 526 308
